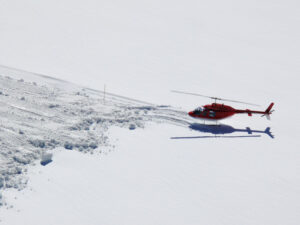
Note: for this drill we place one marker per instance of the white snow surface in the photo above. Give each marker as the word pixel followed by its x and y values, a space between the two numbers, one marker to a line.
pixel 137 158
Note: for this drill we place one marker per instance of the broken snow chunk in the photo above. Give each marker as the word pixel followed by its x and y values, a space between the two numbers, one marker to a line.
pixel 1 184
pixel 93 145
pixel 132 126
pixel 21 160
pixel 46 158
pixel 84 125
pixel 53 143
pixel 68 146
pixel 37 143
pixel 19 169
pixel 99 120
pixel 74 128
pixel 85 145
pixel 53 106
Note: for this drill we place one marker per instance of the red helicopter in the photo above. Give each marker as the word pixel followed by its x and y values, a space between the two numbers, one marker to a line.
pixel 216 111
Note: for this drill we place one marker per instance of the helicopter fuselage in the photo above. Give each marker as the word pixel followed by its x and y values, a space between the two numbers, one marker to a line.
pixel 217 111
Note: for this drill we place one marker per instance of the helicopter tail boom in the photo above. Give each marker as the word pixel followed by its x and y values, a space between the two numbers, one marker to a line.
pixel 264 113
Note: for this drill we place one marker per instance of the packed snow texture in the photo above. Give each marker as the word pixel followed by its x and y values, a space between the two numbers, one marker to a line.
pixel 37 118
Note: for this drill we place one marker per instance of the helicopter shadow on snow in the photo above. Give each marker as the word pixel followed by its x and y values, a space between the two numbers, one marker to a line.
pixel 220 131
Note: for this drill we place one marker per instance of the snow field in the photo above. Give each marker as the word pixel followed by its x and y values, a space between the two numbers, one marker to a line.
pixel 175 171
pixel 226 184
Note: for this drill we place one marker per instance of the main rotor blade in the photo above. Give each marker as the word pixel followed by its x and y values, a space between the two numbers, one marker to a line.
pixel 215 98
pixel 189 93
pixel 247 103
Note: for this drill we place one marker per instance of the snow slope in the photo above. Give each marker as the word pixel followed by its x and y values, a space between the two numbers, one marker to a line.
pixel 39 118
pixel 178 172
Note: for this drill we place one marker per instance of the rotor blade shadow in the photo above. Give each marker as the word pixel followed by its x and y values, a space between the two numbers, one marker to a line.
pixel 196 137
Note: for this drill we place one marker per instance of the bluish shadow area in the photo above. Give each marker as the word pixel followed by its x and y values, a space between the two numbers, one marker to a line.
pixel 226 129
pixel 46 162
pixel 216 136
pixel 220 130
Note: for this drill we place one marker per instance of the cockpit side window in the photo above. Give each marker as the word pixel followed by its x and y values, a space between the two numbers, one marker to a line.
pixel 212 114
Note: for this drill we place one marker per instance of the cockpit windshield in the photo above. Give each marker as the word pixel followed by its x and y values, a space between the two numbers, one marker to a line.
pixel 199 109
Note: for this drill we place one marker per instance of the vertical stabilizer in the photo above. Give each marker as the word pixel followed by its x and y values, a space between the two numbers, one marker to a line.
pixel 268 110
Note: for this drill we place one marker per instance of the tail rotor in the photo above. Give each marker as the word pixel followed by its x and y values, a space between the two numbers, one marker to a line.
pixel 269 111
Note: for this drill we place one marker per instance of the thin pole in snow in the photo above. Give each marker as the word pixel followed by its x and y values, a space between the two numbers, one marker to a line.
pixel 104 93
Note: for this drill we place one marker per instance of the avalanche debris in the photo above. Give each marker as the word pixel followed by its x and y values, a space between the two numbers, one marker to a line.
pixel 38 118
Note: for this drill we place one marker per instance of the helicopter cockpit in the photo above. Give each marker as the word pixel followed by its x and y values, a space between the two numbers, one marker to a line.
pixel 198 110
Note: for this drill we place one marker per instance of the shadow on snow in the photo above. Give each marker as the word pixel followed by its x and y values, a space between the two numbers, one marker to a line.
pixel 220 130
